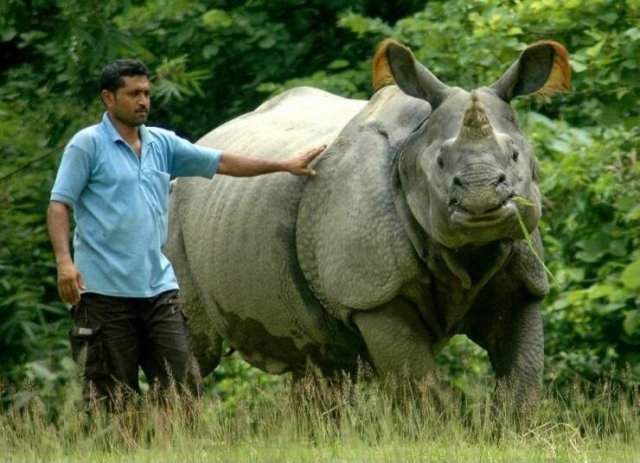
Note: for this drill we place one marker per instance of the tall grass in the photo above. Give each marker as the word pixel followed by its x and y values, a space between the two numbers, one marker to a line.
pixel 321 420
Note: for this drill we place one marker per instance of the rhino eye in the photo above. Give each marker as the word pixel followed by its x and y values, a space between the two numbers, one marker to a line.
pixel 440 162
pixel 515 155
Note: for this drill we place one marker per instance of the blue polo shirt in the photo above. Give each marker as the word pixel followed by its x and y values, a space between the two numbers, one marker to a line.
pixel 120 204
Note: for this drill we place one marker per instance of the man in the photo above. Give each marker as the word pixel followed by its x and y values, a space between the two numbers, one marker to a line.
pixel 115 176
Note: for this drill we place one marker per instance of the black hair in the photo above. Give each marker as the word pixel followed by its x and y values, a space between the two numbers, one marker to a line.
pixel 112 74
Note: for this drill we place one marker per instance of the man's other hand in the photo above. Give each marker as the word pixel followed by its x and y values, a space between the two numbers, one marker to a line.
pixel 69 283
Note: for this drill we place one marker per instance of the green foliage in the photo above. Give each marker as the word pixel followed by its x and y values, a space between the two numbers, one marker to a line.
pixel 236 383
pixel 591 182
pixel 214 59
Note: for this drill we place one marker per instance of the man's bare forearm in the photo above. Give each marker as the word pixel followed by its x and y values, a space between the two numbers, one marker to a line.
pixel 69 279
pixel 247 166
pixel 58 224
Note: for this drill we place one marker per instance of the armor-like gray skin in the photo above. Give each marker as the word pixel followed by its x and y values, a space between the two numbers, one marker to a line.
pixel 407 235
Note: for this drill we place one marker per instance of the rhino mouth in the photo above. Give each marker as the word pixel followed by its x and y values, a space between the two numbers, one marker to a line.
pixel 491 217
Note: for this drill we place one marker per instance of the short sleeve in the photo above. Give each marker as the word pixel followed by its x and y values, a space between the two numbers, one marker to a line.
pixel 189 160
pixel 73 175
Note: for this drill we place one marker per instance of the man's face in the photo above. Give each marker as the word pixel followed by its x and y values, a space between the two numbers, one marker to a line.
pixel 130 103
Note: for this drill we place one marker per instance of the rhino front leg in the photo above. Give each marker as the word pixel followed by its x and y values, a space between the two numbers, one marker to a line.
pixel 515 345
pixel 397 340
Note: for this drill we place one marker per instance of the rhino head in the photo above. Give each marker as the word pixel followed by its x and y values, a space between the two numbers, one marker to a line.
pixel 465 170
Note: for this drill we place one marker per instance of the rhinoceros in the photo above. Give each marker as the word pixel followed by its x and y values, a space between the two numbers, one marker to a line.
pixel 410 233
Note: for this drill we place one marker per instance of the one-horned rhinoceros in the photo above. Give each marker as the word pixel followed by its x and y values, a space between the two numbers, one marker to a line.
pixel 408 235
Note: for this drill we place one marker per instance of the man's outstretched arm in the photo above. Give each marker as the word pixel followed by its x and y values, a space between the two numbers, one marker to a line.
pixel 247 166
pixel 69 279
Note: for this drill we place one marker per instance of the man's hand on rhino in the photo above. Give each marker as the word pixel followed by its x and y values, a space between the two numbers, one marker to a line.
pixel 299 165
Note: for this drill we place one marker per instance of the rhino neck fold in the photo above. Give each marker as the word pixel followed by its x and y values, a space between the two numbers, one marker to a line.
pixel 460 274
pixel 471 266
pixel 404 195
pixel 416 234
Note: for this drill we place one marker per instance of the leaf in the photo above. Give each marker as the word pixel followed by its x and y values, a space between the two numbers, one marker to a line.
pixel 8 34
pixel 631 322
pixel 217 19
pixel 67 364
pixel 631 276
pixel 561 146
pixel 362 25
pixel 599 291
pixel 594 50
pixel 633 214
pixel 38 370
pixel 609 17
pixel 339 64
pixel 633 33
pixel 29 37
pixel 577 66
pixel 210 50
pixel 267 42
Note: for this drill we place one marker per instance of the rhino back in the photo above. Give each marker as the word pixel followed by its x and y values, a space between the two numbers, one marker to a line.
pixel 238 234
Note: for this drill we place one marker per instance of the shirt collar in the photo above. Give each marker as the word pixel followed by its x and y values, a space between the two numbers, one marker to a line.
pixel 145 136
pixel 114 135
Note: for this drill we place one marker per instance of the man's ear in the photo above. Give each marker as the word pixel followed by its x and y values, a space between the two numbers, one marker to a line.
pixel 108 98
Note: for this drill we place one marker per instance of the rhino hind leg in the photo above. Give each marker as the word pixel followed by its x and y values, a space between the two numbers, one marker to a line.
pixel 205 341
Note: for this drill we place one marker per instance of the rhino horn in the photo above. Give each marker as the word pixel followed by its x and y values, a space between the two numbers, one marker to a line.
pixel 475 122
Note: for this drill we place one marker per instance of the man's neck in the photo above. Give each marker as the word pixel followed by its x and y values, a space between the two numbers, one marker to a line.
pixel 130 133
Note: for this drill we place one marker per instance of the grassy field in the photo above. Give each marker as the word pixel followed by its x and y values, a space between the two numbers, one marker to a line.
pixel 318 422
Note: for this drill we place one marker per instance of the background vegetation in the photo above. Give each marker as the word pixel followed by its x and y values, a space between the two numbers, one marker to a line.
pixel 214 59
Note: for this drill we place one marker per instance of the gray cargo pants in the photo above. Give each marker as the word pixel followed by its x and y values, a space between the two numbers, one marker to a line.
pixel 112 337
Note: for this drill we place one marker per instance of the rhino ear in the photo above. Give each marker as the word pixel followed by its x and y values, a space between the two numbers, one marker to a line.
pixel 542 68
pixel 395 63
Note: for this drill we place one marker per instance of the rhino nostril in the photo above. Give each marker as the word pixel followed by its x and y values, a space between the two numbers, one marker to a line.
pixel 457 181
pixel 502 178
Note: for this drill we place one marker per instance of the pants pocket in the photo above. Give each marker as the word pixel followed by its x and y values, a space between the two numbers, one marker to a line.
pixel 88 350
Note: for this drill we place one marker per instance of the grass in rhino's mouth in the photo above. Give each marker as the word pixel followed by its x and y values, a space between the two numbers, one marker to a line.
pixel 526 203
